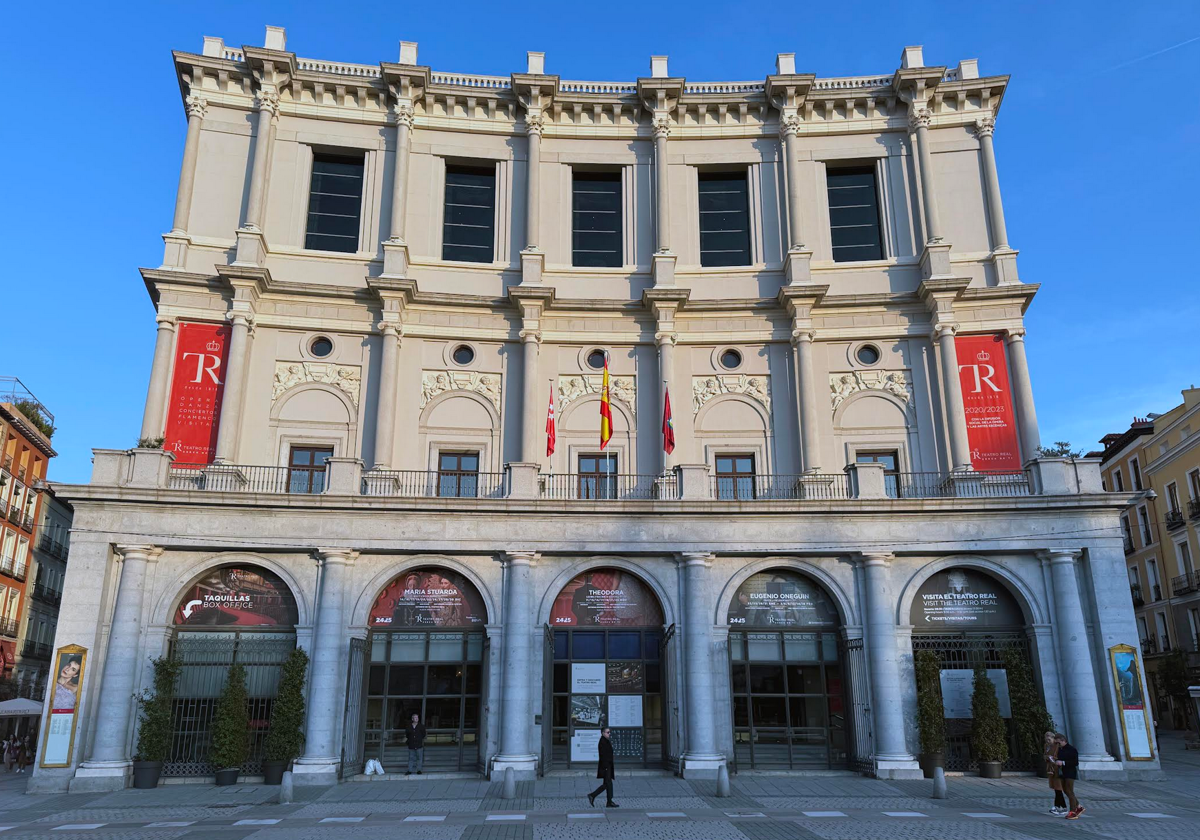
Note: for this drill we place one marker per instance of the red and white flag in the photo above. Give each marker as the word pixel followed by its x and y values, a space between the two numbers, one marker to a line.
pixel 550 434
pixel 668 425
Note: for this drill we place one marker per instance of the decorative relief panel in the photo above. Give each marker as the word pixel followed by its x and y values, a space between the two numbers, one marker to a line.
pixel 704 388
pixel 894 382
pixel 434 382
pixel 347 378
pixel 622 389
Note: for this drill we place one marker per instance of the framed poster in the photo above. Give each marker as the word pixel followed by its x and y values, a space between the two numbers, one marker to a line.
pixel 958 685
pixel 625 710
pixel 587 710
pixel 625 678
pixel 585 745
pixel 62 706
pixel 781 599
pixel 1131 697
pixel 588 678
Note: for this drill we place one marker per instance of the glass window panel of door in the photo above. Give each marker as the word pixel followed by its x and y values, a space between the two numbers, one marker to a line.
pixel 596 219
pixel 306 468
pixel 735 477
pixel 469 220
pixel 854 214
pixel 597 476
pixel 458 474
pixel 334 203
pixel 724 219
pixel 891 472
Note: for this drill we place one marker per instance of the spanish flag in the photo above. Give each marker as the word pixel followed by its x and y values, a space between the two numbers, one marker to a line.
pixel 605 410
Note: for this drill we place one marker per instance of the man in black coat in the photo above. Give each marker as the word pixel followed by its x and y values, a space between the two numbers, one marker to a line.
pixel 605 770
pixel 1068 764
pixel 414 739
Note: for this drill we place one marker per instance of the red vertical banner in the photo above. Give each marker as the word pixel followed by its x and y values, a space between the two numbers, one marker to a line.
pixel 987 401
pixel 201 352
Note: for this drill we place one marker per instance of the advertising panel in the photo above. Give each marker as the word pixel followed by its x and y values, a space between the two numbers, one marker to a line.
pixel 587 710
pixel 987 401
pixel 625 710
pixel 606 598
pixel 585 745
pixel 587 677
pixel 1131 694
pixel 63 704
pixel 237 596
pixel 625 678
pixel 194 411
pixel 781 599
pixel 962 598
pixel 428 598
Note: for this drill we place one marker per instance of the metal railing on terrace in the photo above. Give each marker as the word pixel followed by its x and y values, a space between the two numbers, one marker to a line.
pixel 808 486
pixel 247 479
pixel 8 627
pixel 1185 583
pixel 1193 508
pixel 38 650
pixel 431 484
pixel 44 593
pixel 1174 519
pixel 960 485
pixel 591 487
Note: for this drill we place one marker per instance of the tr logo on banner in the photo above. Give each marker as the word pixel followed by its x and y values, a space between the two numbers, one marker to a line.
pixel 987 401
pixel 201 353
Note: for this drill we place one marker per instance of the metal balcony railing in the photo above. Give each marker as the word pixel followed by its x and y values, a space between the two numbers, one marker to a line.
pixel 1193 508
pixel 48 545
pixel 247 479
pixel 20 570
pixel 1128 544
pixel 596 487
pixel 38 650
pixel 428 484
pixel 1156 592
pixel 1135 590
pixel 771 487
pixel 1174 520
pixel 8 627
pixel 1149 647
pixel 44 593
pixel 14 515
pixel 1185 583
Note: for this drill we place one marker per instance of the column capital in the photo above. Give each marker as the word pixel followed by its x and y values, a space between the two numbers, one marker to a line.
pixel 145 552
pixel 244 319
pixel 520 558
pixel 920 117
pixel 1060 556
pixel 535 122
pixel 662 124
pixel 695 558
pixel 404 114
pixel 666 337
pixel 941 329
pixel 528 336
pixel 336 556
pixel 802 335
pixel 391 329
pixel 1014 334
pixel 789 124
pixel 165 322
pixel 267 99
pixel 985 127
pixel 197 106
pixel 873 558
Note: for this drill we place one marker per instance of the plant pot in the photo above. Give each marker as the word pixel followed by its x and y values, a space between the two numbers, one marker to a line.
pixel 273 771
pixel 931 761
pixel 228 776
pixel 990 769
pixel 146 773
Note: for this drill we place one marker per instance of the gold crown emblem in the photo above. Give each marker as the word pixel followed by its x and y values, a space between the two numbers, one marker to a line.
pixel 213 346
pixel 983 356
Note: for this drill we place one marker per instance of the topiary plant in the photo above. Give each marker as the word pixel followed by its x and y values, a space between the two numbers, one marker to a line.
pixel 285 738
pixel 1030 717
pixel 154 729
pixel 930 716
pixel 231 723
pixel 989 738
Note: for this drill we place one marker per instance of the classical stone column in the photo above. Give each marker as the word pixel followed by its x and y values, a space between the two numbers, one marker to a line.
pixel 662 194
pixel 985 127
pixel 789 127
pixel 700 757
pixel 530 453
pixel 197 106
pixel 1023 393
pixel 160 368
pixel 810 440
pixel 404 123
pixel 231 397
pixel 920 120
pixel 516 711
pixel 268 110
pixel 666 373
pixel 534 124
pixel 952 399
pixel 327 674
pixel 385 409
pixel 1075 657
pixel 110 748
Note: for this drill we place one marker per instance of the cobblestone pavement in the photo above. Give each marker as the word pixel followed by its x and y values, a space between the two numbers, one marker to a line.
pixel 761 807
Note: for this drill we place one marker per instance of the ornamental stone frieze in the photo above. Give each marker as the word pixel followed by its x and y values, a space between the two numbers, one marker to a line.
pixel 435 382
pixel 346 378
pixel 622 389
pixel 894 382
pixel 704 388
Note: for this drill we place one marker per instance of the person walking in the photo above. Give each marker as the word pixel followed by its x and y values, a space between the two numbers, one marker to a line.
pixel 605 770
pixel 1050 756
pixel 10 753
pixel 414 738
pixel 1068 764
pixel 22 754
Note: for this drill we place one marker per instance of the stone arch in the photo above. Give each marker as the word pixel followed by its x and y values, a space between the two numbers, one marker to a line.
pixel 600 562
pixel 844 603
pixel 362 605
pixel 1031 606
pixel 445 396
pixel 840 412
pixel 720 399
pixel 316 423
pixel 435 436
pixel 618 408
pixel 277 409
pixel 164 609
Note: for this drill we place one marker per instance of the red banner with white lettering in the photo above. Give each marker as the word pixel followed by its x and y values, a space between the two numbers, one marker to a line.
pixel 201 352
pixel 987 401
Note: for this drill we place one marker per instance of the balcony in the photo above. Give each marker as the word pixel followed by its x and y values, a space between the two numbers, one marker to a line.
pixel 1174 520
pixel 14 515
pixel 1128 544
pixel 1185 583
pixel 6 565
pixel 20 570
pixel 48 545
pixel 1155 592
pixel 1149 647
pixel 1194 509
pixel 445 485
pixel 234 478
pixel 38 650
pixel 8 627
pixel 1135 590
pixel 47 595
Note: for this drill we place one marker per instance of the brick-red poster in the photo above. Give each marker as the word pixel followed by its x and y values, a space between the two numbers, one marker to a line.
pixel 987 400
pixel 201 351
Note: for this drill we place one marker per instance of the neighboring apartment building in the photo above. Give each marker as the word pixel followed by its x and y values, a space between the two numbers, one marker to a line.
pixel 1161 453
pixel 381 277
pixel 47 574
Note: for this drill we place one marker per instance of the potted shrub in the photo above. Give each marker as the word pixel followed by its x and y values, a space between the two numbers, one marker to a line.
pixel 154 727
pixel 285 738
pixel 1030 717
pixel 231 727
pixel 989 737
pixel 930 716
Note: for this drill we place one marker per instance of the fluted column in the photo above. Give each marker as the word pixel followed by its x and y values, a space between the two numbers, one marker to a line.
pixel 806 391
pixel 985 127
pixel 534 123
pixel 404 122
pixel 700 756
pixel 662 193
pixel 268 109
pixel 921 118
pixel 530 453
pixel 231 396
pixel 1075 657
pixel 516 709
pixel 160 368
pixel 1027 422
pixel 666 372
pixel 197 106
pixel 789 127
pixel 952 399
pixel 886 692
pixel 385 409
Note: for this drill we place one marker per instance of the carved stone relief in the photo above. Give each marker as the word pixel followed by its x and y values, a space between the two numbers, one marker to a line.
pixel 347 378
pixel 434 382
pixel 704 388
pixel 622 389
pixel 894 382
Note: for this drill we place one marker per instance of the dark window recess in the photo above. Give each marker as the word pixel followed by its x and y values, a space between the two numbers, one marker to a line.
pixel 724 219
pixel 458 474
pixel 334 204
pixel 306 468
pixel 596 219
pixel 597 477
pixel 468 227
pixel 854 215
pixel 735 476
pixel 891 472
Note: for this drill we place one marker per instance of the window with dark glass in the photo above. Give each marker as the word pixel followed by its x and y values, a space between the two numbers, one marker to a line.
pixel 735 477
pixel 724 219
pixel 458 474
pixel 596 219
pixel 469 222
pixel 1136 470
pixel 306 468
pixel 891 473
pixel 854 214
pixel 334 203
pixel 597 476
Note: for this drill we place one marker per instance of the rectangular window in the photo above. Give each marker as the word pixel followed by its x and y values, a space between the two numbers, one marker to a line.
pixel 1152 579
pixel 1143 632
pixel 1135 470
pixel 1194 624
pixel 1144 521
pixel 1164 638
pixel 735 477
pixel 891 472
pixel 854 214
pixel 334 203
pixel 596 219
pixel 469 223
pixel 1134 580
pixel 458 474
pixel 1194 484
pixel 306 468
pixel 724 219
pixel 597 476
pixel 1119 481
pixel 1183 551
pixel 1172 498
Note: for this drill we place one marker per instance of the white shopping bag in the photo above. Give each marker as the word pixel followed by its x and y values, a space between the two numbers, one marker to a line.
pixel 373 767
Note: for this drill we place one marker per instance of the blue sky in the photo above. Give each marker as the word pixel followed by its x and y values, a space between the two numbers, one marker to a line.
pixel 1097 148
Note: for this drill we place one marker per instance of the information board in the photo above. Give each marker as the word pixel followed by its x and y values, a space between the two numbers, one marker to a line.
pixel 585 745
pixel 1131 694
pixel 958 684
pixel 625 710
pixel 588 678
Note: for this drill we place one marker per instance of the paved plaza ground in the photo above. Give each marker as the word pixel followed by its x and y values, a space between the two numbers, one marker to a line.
pixel 761 807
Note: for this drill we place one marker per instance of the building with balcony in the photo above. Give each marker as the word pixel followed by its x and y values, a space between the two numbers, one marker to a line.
pixel 383 281
pixel 43 590
pixel 1160 454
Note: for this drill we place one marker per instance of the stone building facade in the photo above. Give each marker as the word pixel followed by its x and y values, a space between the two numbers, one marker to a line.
pixel 378 281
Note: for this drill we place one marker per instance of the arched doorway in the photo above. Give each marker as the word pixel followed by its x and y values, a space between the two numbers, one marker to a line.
pixel 787 678
pixel 427 651
pixel 604 657
pixel 241 614
pixel 968 617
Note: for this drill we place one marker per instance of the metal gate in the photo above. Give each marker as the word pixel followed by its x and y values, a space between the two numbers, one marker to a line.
pixel 671 734
pixel 352 720
pixel 862 752
pixel 547 701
